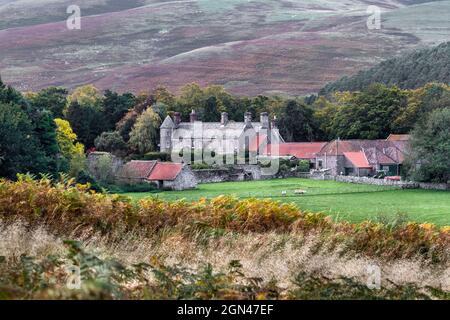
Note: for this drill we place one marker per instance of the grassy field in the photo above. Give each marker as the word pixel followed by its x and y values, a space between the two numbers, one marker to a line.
pixel 341 200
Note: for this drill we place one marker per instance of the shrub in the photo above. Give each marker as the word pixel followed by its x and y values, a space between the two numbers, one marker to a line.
pixel 161 156
pixel 200 166
pixel 140 187
pixel 111 142
pixel 303 166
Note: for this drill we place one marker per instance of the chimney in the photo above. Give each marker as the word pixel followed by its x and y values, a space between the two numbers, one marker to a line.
pixel 224 119
pixel 193 116
pixel 248 119
pixel 264 120
pixel 177 118
pixel 274 123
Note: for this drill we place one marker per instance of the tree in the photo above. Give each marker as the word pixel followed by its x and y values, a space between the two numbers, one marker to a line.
pixel 125 125
pixel 144 136
pixel 103 172
pixel 162 95
pixel 71 150
pixel 19 148
pixel 429 159
pixel 211 112
pixel 53 99
pixel 43 146
pixel 67 139
pixel 191 98
pixel 111 142
pixel 85 114
pixel 10 95
pixel 421 102
pixel 45 132
pixel 115 106
pixel 406 71
pixel 297 122
pixel 161 109
pixel 87 95
pixel 369 114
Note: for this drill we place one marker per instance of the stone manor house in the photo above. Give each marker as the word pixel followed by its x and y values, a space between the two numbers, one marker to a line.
pixel 338 157
pixel 224 137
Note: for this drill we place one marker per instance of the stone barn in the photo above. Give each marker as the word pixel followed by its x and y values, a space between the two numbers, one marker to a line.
pixel 172 176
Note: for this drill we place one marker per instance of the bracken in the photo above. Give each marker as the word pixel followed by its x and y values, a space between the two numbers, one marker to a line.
pixel 65 207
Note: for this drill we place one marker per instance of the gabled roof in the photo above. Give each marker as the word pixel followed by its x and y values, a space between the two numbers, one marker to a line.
pixel 358 159
pixel 168 123
pixel 137 169
pixel 376 156
pixel 301 150
pixel 166 171
pixel 376 150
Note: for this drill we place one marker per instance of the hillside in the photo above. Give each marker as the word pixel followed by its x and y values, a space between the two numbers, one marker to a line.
pixel 409 72
pixel 251 47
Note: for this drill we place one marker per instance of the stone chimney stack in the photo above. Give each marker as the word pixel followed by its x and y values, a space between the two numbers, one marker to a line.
pixel 248 117
pixel 224 119
pixel 275 123
pixel 177 118
pixel 264 120
pixel 193 116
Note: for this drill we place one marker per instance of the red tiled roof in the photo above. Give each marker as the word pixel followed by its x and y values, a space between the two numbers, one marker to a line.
pixel 257 142
pixel 358 159
pixel 301 150
pixel 166 171
pixel 137 169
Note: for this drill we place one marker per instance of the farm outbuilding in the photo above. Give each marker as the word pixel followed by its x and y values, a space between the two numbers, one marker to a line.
pixel 165 175
pixel 173 176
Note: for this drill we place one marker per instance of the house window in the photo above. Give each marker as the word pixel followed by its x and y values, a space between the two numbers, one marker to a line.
pixel 320 164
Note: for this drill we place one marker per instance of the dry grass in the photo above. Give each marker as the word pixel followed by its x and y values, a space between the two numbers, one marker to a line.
pixel 268 256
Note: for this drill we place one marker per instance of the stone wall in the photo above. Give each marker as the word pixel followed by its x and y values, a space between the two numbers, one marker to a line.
pixel 95 169
pixel 383 182
pixel 434 186
pixel 373 181
pixel 240 173
pixel 219 175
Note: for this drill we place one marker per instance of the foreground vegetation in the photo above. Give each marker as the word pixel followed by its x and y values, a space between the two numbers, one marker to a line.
pixel 140 250
pixel 45 278
pixel 342 201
